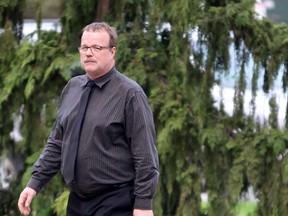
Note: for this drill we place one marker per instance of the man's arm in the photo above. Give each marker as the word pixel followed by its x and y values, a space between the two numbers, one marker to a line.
pixel 141 131
pixel 44 169
pixel 49 162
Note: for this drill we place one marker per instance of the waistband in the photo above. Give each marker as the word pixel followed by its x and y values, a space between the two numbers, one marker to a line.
pixel 101 189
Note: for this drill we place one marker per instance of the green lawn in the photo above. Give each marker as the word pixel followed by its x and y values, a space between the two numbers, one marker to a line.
pixel 244 208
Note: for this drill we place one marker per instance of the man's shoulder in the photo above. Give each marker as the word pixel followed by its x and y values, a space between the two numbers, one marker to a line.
pixel 77 80
pixel 126 82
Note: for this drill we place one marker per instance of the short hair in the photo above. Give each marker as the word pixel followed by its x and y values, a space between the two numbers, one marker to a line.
pixel 103 26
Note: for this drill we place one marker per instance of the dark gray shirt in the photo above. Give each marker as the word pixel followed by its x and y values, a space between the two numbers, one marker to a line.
pixel 117 142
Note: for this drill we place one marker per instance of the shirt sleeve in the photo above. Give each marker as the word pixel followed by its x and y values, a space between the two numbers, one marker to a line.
pixel 49 162
pixel 140 130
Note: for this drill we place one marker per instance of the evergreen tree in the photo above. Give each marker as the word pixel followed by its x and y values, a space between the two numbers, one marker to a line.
pixel 200 146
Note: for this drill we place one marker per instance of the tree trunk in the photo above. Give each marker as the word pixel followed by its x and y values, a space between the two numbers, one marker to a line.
pixel 102 9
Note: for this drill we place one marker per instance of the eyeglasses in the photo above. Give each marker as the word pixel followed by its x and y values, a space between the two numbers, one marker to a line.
pixel 94 48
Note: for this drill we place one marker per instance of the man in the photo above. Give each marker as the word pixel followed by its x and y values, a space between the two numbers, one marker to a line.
pixel 115 170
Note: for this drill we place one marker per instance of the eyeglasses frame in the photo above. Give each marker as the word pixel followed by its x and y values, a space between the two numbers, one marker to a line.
pixel 98 48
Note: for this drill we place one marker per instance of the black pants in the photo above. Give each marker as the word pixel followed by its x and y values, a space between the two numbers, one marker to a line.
pixel 117 201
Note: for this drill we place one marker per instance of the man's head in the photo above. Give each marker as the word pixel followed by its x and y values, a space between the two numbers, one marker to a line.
pixel 98 49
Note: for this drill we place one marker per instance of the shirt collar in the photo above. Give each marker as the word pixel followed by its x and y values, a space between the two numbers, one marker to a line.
pixel 102 80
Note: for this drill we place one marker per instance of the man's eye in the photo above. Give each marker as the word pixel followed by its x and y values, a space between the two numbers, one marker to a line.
pixel 84 48
pixel 96 48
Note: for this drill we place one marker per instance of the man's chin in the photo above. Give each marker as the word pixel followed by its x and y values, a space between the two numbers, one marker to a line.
pixel 93 74
pixel 90 69
pixel 90 64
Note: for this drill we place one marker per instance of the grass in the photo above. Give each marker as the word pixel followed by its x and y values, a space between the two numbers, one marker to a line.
pixel 246 208
pixel 243 208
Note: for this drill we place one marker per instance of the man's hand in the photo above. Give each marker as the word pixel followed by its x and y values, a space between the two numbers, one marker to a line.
pixel 25 200
pixel 139 212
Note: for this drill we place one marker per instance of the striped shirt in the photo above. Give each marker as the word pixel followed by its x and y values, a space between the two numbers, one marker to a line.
pixel 117 143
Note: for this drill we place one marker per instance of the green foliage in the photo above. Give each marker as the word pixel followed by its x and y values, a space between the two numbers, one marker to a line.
pixel 11 11
pixel 61 203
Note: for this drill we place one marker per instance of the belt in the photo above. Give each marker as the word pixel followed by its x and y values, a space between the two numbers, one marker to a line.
pixel 101 189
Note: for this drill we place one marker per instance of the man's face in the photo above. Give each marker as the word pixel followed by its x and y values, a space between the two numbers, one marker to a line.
pixel 97 58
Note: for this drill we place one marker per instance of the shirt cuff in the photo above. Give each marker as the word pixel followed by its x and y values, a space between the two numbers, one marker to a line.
pixel 145 204
pixel 35 185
